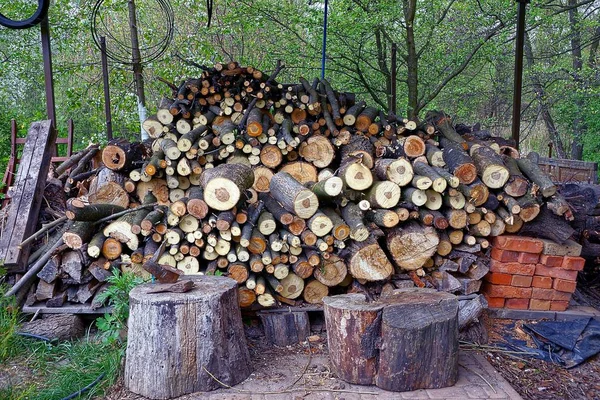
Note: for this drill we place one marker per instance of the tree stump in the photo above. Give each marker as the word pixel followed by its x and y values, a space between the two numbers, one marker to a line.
pixel 285 328
pixel 405 341
pixel 176 339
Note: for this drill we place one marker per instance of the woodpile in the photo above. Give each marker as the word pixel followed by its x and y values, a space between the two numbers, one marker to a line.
pixel 296 191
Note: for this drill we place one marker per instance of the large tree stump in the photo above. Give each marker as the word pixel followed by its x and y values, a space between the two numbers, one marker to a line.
pixel 405 341
pixel 176 339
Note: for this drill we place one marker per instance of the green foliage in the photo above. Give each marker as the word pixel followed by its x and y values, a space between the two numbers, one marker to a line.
pixel 117 295
pixel 9 324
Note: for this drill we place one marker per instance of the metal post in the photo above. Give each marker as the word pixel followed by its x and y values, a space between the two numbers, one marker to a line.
pixel 136 57
pixel 324 39
pixel 394 77
pixel 47 55
pixel 109 133
pixel 518 78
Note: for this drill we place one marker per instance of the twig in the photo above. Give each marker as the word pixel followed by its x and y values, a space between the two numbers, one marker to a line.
pixel 283 391
pixel 305 367
pixel 43 229
pixel 479 375
pixel 121 213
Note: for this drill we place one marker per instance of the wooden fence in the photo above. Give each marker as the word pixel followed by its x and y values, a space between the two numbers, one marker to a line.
pixel 563 171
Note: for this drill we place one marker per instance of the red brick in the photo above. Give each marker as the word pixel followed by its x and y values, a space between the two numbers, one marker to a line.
pixel 512 268
pixel 549 294
pixel 518 243
pixel 509 292
pixel 542 270
pixel 541 305
pixel 518 304
pixel 528 258
pixel 498 278
pixel 564 286
pixel 495 302
pixel 544 282
pixel 505 255
pixel 551 261
pixel 559 305
pixel 573 263
pixel 521 281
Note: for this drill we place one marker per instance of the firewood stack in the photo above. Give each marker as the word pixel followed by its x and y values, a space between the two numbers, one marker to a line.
pixel 296 191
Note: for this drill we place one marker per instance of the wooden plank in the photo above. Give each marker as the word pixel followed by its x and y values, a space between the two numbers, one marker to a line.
pixel 27 195
pixel 68 308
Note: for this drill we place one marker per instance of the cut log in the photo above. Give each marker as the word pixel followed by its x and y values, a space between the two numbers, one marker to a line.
pixel 302 171
pixel 152 350
pixel 121 156
pixel 80 211
pixel 355 174
pixel 328 188
pixel 56 327
pixel 224 184
pixel 314 292
pixel 383 194
pixel 517 184
pixel 411 245
pixel 367 261
pixel 317 150
pixel 490 167
pixel 540 178
pixel 353 216
pixel 293 196
pixel 549 226
pixel 399 171
pixel 332 271
pixel 78 234
pixel 459 162
pixel 359 329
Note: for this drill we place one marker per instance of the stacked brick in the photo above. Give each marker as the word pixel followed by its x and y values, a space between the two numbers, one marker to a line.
pixel 535 274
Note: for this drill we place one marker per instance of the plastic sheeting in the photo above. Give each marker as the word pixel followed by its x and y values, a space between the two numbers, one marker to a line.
pixel 568 343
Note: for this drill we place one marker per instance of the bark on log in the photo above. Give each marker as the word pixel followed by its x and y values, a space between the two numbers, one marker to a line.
pixel 410 325
pixel 293 196
pixel 152 352
pixel 459 162
pixel 224 185
pixel 539 177
pixel 490 167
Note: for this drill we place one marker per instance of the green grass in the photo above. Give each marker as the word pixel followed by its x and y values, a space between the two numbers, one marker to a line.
pixel 49 372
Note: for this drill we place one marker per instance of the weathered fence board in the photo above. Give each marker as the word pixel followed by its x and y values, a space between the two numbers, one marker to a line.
pixel 27 195
pixel 562 170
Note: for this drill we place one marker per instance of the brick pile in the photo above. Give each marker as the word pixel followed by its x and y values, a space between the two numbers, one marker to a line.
pixel 535 274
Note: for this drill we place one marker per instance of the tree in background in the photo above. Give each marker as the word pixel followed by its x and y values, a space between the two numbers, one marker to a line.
pixel 453 55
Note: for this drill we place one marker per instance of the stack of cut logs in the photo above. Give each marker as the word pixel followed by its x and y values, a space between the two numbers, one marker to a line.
pixel 295 191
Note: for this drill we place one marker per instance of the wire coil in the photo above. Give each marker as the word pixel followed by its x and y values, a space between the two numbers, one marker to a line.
pixel 109 22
